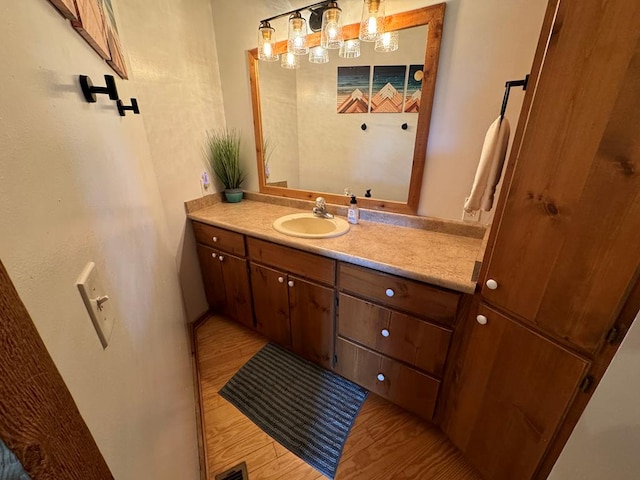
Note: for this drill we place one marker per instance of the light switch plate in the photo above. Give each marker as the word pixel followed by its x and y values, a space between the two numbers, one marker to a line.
pixel 97 302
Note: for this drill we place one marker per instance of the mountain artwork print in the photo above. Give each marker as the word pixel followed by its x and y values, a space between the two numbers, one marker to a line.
pixel 353 89
pixel 388 88
pixel 414 89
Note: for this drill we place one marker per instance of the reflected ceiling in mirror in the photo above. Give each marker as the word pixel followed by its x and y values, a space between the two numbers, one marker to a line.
pixel 306 147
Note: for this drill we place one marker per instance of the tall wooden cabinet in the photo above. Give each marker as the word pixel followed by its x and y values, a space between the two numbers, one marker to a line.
pixel 563 253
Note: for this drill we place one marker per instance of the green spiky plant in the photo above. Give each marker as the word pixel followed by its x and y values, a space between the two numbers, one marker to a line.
pixel 223 158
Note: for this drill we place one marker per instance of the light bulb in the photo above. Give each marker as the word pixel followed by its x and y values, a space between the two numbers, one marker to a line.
pixel 373 20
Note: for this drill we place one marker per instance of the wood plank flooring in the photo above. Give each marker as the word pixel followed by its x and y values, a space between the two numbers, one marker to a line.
pixel 385 442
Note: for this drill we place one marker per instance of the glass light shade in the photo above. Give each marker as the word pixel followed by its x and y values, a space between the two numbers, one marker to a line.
pixel 297 40
pixel 372 23
pixel 350 49
pixel 387 42
pixel 318 55
pixel 289 61
pixel 331 32
pixel 266 43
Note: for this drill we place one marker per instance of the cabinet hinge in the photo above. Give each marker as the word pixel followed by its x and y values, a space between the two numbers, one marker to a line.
pixel 585 384
pixel 337 301
pixel 335 360
pixel 613 335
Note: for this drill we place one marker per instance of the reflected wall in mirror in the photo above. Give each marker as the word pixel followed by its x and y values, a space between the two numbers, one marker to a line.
pixel 306 148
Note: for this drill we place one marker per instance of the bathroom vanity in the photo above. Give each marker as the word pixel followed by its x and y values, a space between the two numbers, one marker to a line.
pixel 378 305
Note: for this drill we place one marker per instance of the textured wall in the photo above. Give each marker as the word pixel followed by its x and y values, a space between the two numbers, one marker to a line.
pixel 485 44
pixel 80 183
pixel 173 60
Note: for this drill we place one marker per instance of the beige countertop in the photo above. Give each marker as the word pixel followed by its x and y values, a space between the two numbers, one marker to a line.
pixel 441 259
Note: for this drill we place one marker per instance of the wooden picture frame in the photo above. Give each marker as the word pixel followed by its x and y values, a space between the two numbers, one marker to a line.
pixel 90 24
pixel 66 7
pixel 116 60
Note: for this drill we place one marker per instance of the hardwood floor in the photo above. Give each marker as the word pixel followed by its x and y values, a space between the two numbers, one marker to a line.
pixel 385 442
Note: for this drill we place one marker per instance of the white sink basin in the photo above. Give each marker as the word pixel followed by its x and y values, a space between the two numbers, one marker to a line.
pixel 306 225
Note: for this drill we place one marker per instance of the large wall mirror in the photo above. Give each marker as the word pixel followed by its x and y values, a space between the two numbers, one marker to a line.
pixel 314 137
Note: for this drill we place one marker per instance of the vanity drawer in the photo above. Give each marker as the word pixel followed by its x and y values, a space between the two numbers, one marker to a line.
pixel 397 335
pixel 390 379
pixel 304 264
pixel 230 242
pixel 408 295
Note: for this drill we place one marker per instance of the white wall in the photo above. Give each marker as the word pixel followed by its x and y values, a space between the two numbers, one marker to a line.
pixel 174 63
pixel 484 44
pixel 80 183
pixel 605 441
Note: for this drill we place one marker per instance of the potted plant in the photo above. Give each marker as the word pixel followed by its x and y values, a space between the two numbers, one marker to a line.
pixel 223 160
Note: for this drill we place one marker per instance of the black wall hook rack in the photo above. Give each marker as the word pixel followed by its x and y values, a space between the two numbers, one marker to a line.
pixel 508 86
pixel 122 108
pixel 90 92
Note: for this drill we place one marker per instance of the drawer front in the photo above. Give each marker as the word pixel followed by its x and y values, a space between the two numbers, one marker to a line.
pixel 392 380
pixel 399 336
pixel 408 295
pixel 225 240
pixel 304 264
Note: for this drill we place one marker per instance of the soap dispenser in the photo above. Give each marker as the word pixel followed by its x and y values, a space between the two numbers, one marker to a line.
pixel 354 214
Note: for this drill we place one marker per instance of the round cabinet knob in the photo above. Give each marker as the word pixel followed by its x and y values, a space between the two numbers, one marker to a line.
pixel 214 255
pixel 389 292
pixel 380 377
pixel 385 332
pixel 221 258
pixel 215 239
pixel 491 284
pixel 481 319
pixel 290 283
pixel 280 279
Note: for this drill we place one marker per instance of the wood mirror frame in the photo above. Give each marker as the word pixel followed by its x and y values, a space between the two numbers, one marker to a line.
pixel 432 16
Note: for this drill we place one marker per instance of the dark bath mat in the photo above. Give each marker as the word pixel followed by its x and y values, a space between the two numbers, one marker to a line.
pixel 307 409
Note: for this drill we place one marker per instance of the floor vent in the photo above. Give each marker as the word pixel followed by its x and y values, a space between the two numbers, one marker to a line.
pixel 239 472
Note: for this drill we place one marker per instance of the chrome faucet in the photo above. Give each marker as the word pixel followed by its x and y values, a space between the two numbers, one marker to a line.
pixel 320 210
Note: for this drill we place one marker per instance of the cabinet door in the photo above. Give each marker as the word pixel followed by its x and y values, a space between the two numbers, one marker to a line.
pixel 212 277
pixel 271 303
pixel 312 314
pixel 236 286
pixel 510 391
pixel 566 248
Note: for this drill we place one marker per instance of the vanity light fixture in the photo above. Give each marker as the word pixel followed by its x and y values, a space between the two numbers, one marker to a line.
pixel 372 23
pixel 319 55
pixel 387 42
pixel 297 40
pixel 290 61
pixel 331 32
pixel 350 49
pixel 266 42
pixel 326 17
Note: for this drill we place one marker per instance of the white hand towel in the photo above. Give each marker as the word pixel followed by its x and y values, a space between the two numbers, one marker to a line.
pixel 494 151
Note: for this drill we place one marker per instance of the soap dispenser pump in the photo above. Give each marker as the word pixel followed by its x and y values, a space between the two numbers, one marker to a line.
pixel 353 215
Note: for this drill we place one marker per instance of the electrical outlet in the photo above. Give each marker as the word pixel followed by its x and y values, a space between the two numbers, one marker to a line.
pixel 475 218
pixel 97 302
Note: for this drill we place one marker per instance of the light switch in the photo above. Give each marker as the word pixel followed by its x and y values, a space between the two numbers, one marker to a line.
pixel 97 302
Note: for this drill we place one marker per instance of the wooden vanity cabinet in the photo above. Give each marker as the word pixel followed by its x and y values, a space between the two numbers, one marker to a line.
pixel 393 335
pixel 224 272
pixel 291 305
